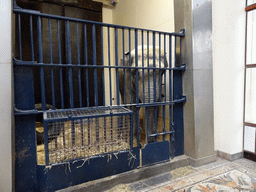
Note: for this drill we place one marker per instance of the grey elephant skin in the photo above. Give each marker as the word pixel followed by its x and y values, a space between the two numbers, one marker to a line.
pixel 148 81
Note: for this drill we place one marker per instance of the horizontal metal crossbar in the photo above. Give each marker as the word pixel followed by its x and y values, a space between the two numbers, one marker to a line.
pixel 163 133
pixel 32 63
pixel 44 15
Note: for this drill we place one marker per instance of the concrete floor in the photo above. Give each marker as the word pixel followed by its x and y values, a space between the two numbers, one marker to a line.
pixel 178 175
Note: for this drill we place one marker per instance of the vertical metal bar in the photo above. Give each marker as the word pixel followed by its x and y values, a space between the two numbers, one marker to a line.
pixel 180 52
pixel 154 77
pixel 130 64
pixel 31 38
pixel 110 79
pixel 70 70
pixel 148 66
pixel 19 37
pixel 154 65
pixel 60 70
pixel 172 147
pixel 124 70
pixel 46 149
pixel 86 70
pixel 136 65
pixel 103 69
pixel 79 69
pixel 178 111
pixel 51 61
pixel 40 60
pixel 94 63
pixel 137 86
pixel 143 74
pixel 164 129
pixel 116 61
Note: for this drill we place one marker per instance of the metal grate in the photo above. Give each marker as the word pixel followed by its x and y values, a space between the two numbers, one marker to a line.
pixel 86 133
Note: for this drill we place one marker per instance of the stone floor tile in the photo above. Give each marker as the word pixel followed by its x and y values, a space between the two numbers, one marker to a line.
pixel 138 186
pixel 158 179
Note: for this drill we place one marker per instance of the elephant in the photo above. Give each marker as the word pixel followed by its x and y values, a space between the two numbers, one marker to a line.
pixel 148 92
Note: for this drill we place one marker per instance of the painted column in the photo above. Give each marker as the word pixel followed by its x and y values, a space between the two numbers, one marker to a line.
pixel 196 18
pixel 6 176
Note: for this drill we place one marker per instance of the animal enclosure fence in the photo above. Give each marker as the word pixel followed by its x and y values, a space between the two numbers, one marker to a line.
pixel 113 90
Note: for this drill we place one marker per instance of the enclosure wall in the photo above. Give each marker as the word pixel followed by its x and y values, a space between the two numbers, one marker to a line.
pixel 228 74
pixel 5 96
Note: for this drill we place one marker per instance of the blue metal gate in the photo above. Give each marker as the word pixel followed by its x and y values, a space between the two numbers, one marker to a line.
pixel 135 84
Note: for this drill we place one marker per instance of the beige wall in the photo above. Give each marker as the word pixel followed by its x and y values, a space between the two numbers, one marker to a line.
pixel 150 14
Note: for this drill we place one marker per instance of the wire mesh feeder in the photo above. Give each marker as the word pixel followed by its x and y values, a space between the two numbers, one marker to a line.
pixel 85 132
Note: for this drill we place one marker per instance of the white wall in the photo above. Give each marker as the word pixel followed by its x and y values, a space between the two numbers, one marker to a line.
pixel 5 96
pixel 228 74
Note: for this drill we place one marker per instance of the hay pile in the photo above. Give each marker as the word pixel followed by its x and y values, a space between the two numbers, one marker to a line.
pixel 87 138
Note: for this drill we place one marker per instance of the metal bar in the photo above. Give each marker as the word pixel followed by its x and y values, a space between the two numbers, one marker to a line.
pixel 159 134
pixel 251 7
pixel 44 15
pixel 136 64
pixel 95 80
pixel 46 149
pixel 103 71
pixel 154 84
pixel 51 61
pixel 124 71
pixel 86 64
pixel 40 59
pixel 170 97
pixel 148 64
pixel 164 129
pixel 79 69
pixel 29 63
pixel 109 60
pixel 31 38
pixel 19 37
pixel 70 71
pixel 130 71
pixel 116 61
pixel 60 61
pixel 143 73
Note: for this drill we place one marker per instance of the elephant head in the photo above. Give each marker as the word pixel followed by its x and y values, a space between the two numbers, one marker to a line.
pixel 147 79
